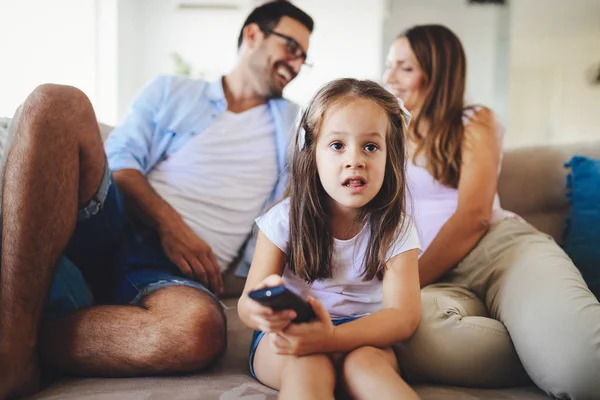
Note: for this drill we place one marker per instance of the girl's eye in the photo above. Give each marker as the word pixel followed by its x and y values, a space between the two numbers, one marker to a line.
pixel 371 147
pixel 336 146
pixel 407 69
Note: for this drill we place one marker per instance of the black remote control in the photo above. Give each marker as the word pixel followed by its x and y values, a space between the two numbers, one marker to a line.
pixel 281 298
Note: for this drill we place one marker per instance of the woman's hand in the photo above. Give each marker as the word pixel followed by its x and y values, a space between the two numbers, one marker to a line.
pixel 263 317
pixel 306 338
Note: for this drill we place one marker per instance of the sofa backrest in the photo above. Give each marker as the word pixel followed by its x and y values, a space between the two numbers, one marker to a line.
pixel 532 183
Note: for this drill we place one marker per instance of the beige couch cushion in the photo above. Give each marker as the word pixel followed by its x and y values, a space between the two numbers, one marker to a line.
pixel 230 379
pixel 532 183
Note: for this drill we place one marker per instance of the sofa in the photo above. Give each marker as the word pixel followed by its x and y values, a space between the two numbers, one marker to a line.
pixel 531 184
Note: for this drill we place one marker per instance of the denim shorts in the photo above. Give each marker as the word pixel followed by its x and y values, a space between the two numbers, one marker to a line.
pixel 258 335
pixel 110 259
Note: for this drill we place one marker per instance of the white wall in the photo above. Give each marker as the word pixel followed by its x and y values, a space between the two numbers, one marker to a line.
pixel 346 42
pixel 151 30
pixel 552 57
pixel 130 40
pixel 483 32
pixel 107 60
pixel 529 62
pixel 111 48
pixel 45 41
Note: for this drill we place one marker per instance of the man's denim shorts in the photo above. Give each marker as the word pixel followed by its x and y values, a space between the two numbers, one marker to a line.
pixel 110 259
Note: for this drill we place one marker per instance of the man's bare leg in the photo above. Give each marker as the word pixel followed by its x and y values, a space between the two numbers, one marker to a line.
pixel 176 329
pixel 55 164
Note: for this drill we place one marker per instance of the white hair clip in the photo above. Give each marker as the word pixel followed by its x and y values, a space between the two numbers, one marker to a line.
pixel 301 138
pixel 405 113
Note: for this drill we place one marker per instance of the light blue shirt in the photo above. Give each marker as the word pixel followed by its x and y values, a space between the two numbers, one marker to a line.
pixel 171 110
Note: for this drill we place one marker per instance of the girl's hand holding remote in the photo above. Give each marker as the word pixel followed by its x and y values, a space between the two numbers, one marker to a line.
pixel 307 338
pixel 264 317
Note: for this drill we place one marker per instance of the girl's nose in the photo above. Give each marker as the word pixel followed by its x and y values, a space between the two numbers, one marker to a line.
pixel 355 160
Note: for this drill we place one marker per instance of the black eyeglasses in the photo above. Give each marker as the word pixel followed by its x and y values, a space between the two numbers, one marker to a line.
pixel 293 48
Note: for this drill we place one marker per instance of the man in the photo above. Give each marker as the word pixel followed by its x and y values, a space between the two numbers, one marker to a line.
pixel 194 162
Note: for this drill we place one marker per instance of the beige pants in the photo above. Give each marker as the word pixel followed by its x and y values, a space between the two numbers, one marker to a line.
pixel 517 284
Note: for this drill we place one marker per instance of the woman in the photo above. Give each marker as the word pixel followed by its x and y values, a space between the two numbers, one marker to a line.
pixel 488 276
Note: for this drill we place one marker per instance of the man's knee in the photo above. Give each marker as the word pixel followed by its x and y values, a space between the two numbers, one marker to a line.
pixel 50 103
pixel 53 98
pixel 190 327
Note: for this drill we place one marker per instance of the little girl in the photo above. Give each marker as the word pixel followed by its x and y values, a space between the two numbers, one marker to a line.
pixel 340 239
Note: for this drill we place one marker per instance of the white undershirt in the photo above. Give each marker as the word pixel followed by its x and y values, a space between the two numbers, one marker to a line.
pixel 220 180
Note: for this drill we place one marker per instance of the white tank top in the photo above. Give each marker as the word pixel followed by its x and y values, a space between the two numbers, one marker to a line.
pixel 431 204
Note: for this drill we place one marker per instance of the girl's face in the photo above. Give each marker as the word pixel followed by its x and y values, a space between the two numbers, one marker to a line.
pixel 403 75
pixel 351 153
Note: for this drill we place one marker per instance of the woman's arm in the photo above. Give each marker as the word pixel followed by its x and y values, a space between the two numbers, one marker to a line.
pixel 476 190
pixel 266 270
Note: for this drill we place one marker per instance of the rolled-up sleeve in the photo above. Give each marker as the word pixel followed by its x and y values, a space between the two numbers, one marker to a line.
pixel 130 145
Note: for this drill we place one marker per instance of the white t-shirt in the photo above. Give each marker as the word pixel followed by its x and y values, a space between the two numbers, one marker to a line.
pixel 345 294
pixel 221 179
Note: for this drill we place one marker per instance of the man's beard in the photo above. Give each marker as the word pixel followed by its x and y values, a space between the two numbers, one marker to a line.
pixel 274 76
pixel 267 78
pixel 273 90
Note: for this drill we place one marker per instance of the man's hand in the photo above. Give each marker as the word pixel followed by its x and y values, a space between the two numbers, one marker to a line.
pixel 191 254
pixel 183 247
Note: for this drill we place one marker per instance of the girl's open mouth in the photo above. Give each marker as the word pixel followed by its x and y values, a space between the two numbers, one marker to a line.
pixel 354 182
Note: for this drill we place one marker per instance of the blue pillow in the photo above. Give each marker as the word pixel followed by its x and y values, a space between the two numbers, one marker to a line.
pixel 581 237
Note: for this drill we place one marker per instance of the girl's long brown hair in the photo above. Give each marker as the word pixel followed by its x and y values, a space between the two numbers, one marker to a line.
pixel 442 59
pixel 310 241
